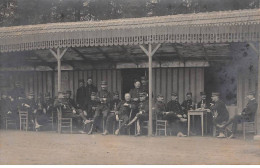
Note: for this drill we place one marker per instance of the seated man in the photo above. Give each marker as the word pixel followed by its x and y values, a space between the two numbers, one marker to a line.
pixel 41 117
pixel 100 114
pixel 30 106
pixel 203 103
pixel 187 104
pixel 220 113
pixel 69 110
pixel 111 117
pixel 124 111
pixel 142 115
pixel 175 115
pixel 247 115
pixel 9 108
pixel 158 109
pixel 92 106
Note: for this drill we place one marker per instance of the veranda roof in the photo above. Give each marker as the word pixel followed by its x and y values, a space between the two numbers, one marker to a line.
pixel 213 27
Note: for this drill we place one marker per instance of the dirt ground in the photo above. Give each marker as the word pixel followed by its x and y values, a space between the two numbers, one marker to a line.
pixel 20 147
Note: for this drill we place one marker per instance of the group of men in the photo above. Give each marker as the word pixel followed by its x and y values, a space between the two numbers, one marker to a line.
pixel 102 110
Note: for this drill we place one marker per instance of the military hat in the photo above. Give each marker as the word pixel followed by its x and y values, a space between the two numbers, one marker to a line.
pixel 142 94
pixel 143 78
pixel 93 94
pixel 90 77
pixel 215 94
pixel 68 91
pixel 81 80
pixel 189 93
pixel 251 93
pixel 174 94
pixel 103 83
pixel 202 93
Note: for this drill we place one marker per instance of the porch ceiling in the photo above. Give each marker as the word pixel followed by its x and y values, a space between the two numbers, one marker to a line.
pixel 120 54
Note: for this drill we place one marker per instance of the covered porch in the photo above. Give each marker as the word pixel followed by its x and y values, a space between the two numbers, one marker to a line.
pixel 174 50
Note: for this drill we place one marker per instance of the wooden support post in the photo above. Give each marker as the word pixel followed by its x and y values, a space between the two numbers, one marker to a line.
pixel 257 120
pixel 58 56
pixel 150 54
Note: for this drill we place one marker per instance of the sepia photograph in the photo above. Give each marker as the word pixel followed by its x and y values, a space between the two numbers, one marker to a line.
pixel 129 82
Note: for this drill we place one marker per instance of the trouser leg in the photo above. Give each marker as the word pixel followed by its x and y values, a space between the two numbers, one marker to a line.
pixel 109 122
pixel 125 120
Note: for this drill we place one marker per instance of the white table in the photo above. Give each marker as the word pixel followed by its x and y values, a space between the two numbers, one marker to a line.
pixel 201 113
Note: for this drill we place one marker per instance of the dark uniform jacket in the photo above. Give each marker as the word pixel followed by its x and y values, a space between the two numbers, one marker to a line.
pixel 106 93
pixel 144 107
pixel 159 108
pixel 114 103
pixel 48 105
pixel 175 107
pixel 4 106
pixel 222 114
pixel 91 108
pixel 66 107
pixel 81 97
pixel 135 93
pixel 187 105
pixel 89 89
pixel 125 110
pixel 250 110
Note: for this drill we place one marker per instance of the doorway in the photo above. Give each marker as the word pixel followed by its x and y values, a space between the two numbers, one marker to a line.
pixel 128 78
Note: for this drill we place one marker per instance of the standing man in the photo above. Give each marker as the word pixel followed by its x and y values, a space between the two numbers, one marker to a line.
pixel 90 87
pixel 220 113
pixel 145 85
pixel 247 115
pixel 136 91
pixel 81 95
pixel 18 91
pixel 104 92
pixel 175 115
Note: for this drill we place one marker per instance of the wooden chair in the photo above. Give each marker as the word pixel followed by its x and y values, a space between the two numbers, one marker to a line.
pixel 63 122
pixel 161 125
pixel 248 127
pixel 9 121
pixel 23 117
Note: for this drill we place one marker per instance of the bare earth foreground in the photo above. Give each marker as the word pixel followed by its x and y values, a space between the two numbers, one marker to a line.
pixel 51 148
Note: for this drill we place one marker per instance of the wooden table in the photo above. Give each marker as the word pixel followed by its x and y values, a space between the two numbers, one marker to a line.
pixel 201 113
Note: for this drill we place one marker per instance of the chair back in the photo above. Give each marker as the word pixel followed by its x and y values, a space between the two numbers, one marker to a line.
pixel 23 114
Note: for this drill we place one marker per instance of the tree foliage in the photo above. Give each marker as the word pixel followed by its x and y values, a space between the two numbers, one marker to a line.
pixel 24 12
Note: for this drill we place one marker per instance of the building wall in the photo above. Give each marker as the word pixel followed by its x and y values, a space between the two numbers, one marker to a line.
pixel 165 81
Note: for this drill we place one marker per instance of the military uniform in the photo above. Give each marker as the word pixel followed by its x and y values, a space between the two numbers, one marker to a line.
pixel 89 90
pixel 220 112
pixel 187 104
pixel 81 96
pixel 247 115
pixel 159 108
pixel 105 93
pixel 101 114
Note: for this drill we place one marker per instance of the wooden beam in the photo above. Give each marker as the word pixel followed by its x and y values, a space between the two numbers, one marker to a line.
pixel 178 53
pixel 81 55
pixel 128 55
pixel 253 47
pixel 104 54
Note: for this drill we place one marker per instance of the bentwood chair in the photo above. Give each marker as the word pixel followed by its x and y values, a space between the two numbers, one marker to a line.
pixel 63 122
